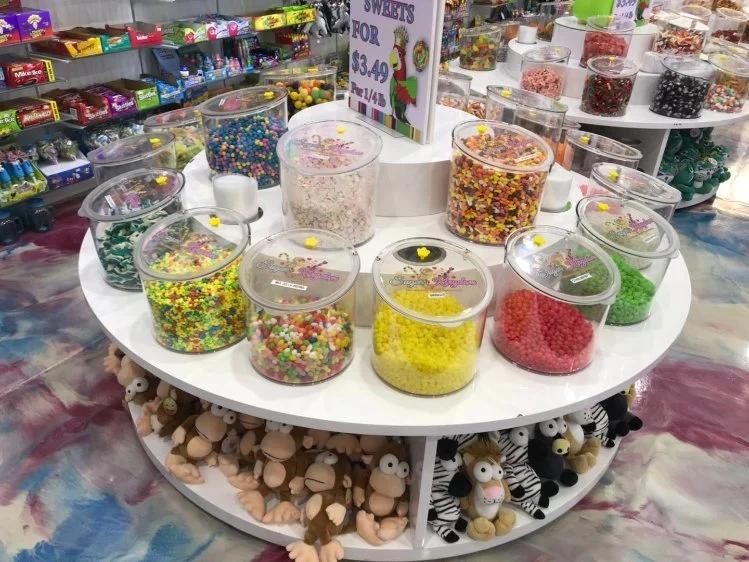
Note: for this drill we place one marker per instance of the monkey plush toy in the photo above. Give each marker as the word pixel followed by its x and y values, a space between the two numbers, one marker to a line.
pixel 173 409
pixel 328 478
pixel 382 514
pixel 238 465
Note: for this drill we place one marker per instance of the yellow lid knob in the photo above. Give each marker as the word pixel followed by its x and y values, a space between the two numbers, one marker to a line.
pixel 603 206
pixel 506 93
pixel 155 141
pixel 269 95
pixel 214 221
pixel 423 253
pixel 340 129
pixel 539 240
pixel 311 242
pixel 161 180
pixel 482 129
pixel 585 139
pixel 613 175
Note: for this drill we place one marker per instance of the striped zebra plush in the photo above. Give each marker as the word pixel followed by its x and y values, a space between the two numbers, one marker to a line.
pixel 597 425
pixel 449 484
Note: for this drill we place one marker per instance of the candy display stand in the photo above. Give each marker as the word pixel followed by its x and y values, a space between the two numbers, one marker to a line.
pixel 358 401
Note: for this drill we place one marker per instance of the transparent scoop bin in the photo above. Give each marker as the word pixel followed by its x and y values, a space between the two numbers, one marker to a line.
pixel 582 150
pixel 184 124
pixel 153 150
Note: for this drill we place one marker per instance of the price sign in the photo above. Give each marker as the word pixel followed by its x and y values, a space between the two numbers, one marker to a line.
pixel 626 9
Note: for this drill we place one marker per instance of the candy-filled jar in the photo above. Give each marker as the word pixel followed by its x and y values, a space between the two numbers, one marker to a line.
pixel 123 208
pixel 497 178
pixel 608 86
pixel 329 177
pixel 479 46
pixel 730 85
pixel 582 150
pixel 508 31
pixel 300 314
pixel 430 308
pixel 477 106
pixel 681 32
pixel 553 295
pixel 542 71
pixel 189 264
pixel 642 244
pixel 606 35
pixel 729 25
pixel 453 89
pixel 241 131
pixel 548 12
pixel 682 88
pixel 573 125
pixel 534 112
pixel 153 150
pixel 627 183
pixel 184 124
pixel 306 85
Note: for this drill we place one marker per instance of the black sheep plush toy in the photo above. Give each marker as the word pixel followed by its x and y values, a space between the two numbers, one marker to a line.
pixel 546 451
pixel 621 420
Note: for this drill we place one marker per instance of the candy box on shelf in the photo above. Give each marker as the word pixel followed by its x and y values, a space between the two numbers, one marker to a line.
pixel 5 4
pixel 67 172
pixel 120 102
pixel 23 71
pixel 73 46
pixel 185 32
pixel 85 108
pixel 112 40
pixel 33 24
pixel 269 21
pixel 9 33
pixel 168 92
pixel 32 111
pixel 296 15
pixel 19 180
pixel 141 34
pixel 8 122
pixel 146 95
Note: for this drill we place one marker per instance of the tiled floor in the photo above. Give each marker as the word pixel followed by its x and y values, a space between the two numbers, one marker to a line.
pixel 75 484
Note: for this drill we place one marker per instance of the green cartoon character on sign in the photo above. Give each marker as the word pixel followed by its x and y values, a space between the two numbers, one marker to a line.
pixel 403 88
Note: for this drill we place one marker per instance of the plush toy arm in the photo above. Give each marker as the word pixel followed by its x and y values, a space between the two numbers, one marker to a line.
pixel 402 509
pixel 537 449
pixel 460 486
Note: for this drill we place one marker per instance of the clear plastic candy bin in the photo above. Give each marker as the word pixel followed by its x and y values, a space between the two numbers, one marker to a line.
pixel 614 180
pixel 642 245
pixel 681 32
pixel 306 85
pixel 479 47
pixel 453 89
pixel 497 178
pixel 329 177
pixel 729 88
pixel 542 71
pixel 729 25
pixel 553 295
pixel 430 309
pixel 682 88
pixel 582 150
pixel 123 208
pixel 154 150
pixel 606 35
pixel 241 131
pixel 548 12
pixel 189 264
pixel 300 316
pixel 184 124
pixel 608 86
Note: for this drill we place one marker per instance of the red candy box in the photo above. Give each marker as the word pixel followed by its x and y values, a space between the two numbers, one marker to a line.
pixel 84 107
pixel 32 111
pixel 21 71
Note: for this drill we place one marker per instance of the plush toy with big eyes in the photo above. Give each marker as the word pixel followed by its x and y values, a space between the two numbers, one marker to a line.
pixel 546 452
pixel 584 451
pixel 238 454
pixel 449 484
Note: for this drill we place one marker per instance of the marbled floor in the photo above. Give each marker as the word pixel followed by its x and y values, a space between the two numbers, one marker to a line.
pixel 76 485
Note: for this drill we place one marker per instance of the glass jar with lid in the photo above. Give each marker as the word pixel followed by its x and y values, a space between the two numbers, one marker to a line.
pixel 123 208
pixel 642 244
pixel 430 309
pixel 729 25
pixel 682 88
pixel 453 89
pixel 548 12
pixel 611 179
pixel 241 130
pixel 582 150
pixel 542 71
pixel 729 88
pixel 189 265
pixel 553 295
pixel 508 31
pixel 329 177
pixel 568 124
pixel 606 35
pixel 477 105
pixel 478 50
pixel 496 180
pixel 306 85
pixel 153 150
pixel 534 112
pixel 300 314
pixel 184 124
pixel 681 32
pixel 608 86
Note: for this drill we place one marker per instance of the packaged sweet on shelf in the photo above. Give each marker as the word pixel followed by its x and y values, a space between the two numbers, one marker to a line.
pixel 453 89
pixel 606 35
pixel 121 102
pixel 86 108
pixel 17 71
pixel 131 153
pixel 479 46
pixel 306 86
pixel 101 135
pixel 184 124
pixel 30 112
pixel 496 180
pixel 241 131
pixel 540 323
pixel 430 307
pixel 542 71
pixel 582 150
pixel 729 25
pixel 32 24
pixel 641 243
pixel 682 88
pixel 141 34
pixel 189 264
pixel 681 32
pixel 112 41
pixel 329 178
pixel 19 176
pixel 300 321
pixel 729 88
pixel 123 208
pixel 608 86
pixel 70 45
pixel 548 14
pixel 146 95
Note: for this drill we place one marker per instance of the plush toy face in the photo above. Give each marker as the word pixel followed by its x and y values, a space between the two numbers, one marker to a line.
pixel 213 423
pixel 486 474
pixel 129 371
pixel 519 436
pixel 137 386
pixel 250 422
pixel 549 428
pixel 279 444
pixel 453 464
pixel 390 471
pixel 329 471
pixel 583 417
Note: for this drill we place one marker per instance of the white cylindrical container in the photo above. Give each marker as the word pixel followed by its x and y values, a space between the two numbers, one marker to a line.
pixel 527 34
pixel 236 192
pixel 556 190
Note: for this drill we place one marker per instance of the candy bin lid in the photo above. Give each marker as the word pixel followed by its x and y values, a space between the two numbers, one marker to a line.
pixel 612 66
pixel 544 255
pixel 528 99
pixel 730 64
pixel 299 270
pixel 201 241
pixel 246 101
pixel 602 146
pixel 689 66
pixel 131 149
pixel 328 147
pixel 511 147
pixel 300 71
pixel 132 194
pixel 611 24
pixel 553 53
pixel 482 30
pixel 628 182
pixel 628 226
pixel 176 118
pixel 438 267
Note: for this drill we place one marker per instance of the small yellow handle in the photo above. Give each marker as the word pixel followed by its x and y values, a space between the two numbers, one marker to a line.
pixel 340 129
pixel 539 240
pixel 482 129
pixel 613 175
pixel 423 253
pixel 161 180
pixel 214 221
pixel 155 141
pixel 269 95
pixel 603 206
pixel 311 242
pixel 585 139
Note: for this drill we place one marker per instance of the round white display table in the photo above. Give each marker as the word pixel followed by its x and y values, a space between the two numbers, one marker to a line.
pixel 357 401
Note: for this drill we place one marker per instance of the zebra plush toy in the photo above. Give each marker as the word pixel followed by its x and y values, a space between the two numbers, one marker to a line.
pixel 449 484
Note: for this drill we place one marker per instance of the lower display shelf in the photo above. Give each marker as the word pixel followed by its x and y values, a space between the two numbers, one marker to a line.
pixel 697 199
pixel 218 498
